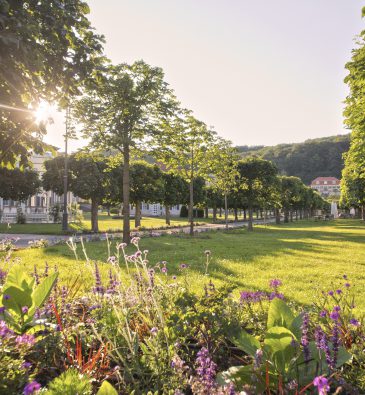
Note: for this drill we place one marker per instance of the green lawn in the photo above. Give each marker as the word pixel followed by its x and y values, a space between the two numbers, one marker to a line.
pixel 106 223
pixel 306 256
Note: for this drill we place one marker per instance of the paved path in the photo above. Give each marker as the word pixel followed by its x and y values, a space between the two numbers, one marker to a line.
pixel 22 240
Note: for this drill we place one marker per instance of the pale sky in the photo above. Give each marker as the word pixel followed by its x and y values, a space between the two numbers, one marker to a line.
pixel 259 71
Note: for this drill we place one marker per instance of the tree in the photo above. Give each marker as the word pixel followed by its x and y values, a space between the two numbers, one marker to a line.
pixel 257 182
pixel 48 49
pixel 290 195
pixel 147 185
pixel 175 191
pixel 224 170
pixel 87 179
pixel 183 147
pixel 121 112
pixel 17 184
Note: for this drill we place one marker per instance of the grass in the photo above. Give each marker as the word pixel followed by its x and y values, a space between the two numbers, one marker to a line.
pixel 307 256
pixel 106 223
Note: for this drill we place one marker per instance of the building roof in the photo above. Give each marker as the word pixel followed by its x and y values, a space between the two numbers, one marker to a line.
pixel 328 180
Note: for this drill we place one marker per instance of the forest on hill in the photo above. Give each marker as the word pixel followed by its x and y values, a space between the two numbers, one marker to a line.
pixel 307 160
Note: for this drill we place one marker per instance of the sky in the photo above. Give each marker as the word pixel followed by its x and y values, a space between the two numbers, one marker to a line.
pixel 262 72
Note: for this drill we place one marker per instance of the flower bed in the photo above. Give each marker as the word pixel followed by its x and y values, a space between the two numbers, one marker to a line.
pixel 149 332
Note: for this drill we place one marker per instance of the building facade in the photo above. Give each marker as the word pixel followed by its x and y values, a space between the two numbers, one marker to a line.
pixel 327 186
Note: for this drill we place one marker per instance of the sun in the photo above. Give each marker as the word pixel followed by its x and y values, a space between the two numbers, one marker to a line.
pixel 44 112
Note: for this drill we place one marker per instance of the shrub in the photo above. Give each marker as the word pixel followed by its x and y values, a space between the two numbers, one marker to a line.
pixel 183 212
pixel 20 216
pixel 69 383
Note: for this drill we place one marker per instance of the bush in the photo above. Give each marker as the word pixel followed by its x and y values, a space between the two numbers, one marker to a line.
pixel 55 213
pixel 20 216
pixel 198 213
pixel 184 212
pixel 114 210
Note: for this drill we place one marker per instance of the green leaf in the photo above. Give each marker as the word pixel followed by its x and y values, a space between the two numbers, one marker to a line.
pixel 296 326
pixel 278 342
pixel 18 278
pixel 107 389
pixel 42 292
pixel 279 314
pixel 18 298
pixel 241 375
pixel 248 343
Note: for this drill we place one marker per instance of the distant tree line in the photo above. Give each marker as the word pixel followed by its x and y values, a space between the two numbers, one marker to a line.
pixel 322 157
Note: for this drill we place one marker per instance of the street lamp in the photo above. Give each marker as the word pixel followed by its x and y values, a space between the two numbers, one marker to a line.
pixel 65 176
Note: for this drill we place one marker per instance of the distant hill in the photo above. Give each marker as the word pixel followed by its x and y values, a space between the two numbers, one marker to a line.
pixel 308 160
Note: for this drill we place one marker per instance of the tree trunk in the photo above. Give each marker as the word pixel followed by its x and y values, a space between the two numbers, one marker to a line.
pixel 108 211
pixel 94 215
pixel 215 213
pixel 300 214
pixel 226 210
pixel 126 184
pixel 244 214
pixel 167 214
pixel 296 215
pixel 250 219
pixel 191 207
pixel 363 212
pixel 291 215
pixel 137 216
pixel 286 215
pixel 277 216
pixel 206 212
pixel 220 212
pixel 257 214
pixel 235 214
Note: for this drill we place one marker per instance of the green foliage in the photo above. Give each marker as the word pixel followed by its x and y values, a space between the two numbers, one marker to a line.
pixel 55 213
pixel 20 216
pixel 183 212
pixel 106 389
pixel 71 382
pixel 48 49
pixel 18 293
pixel 17 184
pixel 308 160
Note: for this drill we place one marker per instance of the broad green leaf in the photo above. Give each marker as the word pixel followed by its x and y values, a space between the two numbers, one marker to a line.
pixel 18 298
pixel 248 343
pixel 18 278
pixel 278 343
pixel 296 326
pixel 42 292
pixel 107 389
pixel 241 375
pixel 279 314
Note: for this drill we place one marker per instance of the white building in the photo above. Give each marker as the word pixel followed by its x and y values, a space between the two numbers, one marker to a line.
pixel 327 186
pixel 36 208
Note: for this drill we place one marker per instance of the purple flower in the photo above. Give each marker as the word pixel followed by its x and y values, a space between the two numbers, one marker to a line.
pixel 322 385
pixel 344 277
pixel 112 259
pixel 121 246
pixel 31 388
pixel 252 297
pixel 28 340
pixel 6 297
pixel 4 330
pixel 330 293
pixel 2 309
pixel 183 266
pixel 337 308
pixel 135 240
pixel 164 270
pixel 25 309
pixel 277 295
pixel 335 343
pixel 154 331
pixel 174 277
pixel 275 283
pixel 206 370
pixel 347 285
pixel 98 289
pixel 354 322
pixel 2 275
pixel 323 314
pixel 26 365
pixel 338 291
pixel 334 315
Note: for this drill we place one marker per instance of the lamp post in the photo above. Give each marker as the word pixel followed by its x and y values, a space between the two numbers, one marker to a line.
pixel 65 177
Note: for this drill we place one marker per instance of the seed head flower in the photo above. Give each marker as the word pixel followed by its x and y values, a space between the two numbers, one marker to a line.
pixel 31 388
pixel 121 246
pixel 112 259
pixel 207 252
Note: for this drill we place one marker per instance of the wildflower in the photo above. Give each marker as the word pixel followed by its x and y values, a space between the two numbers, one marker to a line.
pixel 304 340
pixel 252 297
pixel 25 309
pixel 164 270
pixel 46 270
pixel 335 343
pixel 258 358
pixel 206 371
pixel 112 259
pixel 26 365
pixel 330 293
pixel 323 314
pixel 2 309
pixel 347 285
pixel 135 240
pixel 338 291
pixel 344 277
pixel 275 283
pixel 31 388
pixel 322 385
pixel 2 275
pixel 277 295
pixel 207 252
pixel 6 297
pixel 145 252
pixel 154 331
pixel 25 339
pixel 183 266
pixel 354 322
pixel 337 308
pixel 334 315
pixel 4 330
pixel 121 246
pixel 322 344
pixel 98 289
pixel 174 277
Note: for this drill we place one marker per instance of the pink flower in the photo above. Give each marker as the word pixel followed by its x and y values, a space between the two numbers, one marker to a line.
pixel 322 385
